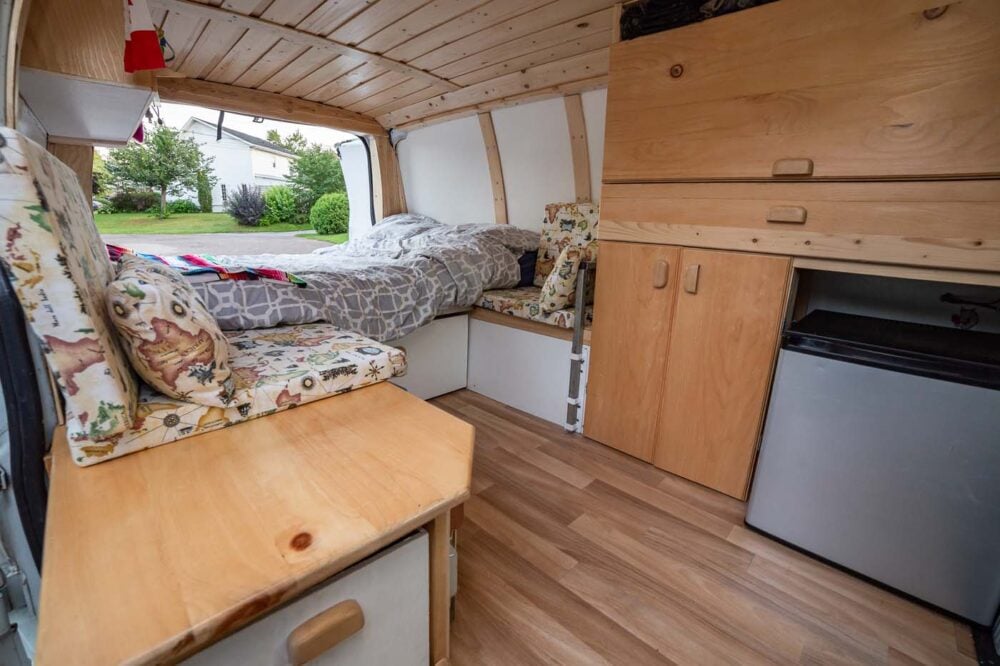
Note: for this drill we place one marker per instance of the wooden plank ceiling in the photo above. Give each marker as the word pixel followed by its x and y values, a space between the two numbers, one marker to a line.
pixel 405 63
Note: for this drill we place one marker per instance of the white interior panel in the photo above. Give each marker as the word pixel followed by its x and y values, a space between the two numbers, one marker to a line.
pixel 445 174
pixel 525 370
pixel 595 104
pixel 536 158
pixel 436 357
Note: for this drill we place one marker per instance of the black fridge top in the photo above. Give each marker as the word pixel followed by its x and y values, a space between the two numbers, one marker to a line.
pixel 969 357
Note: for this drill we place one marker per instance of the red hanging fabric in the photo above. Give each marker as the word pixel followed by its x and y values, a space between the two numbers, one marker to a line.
pixel 142 44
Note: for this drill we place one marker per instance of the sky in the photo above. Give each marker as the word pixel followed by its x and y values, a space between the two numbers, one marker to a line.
pixel 175 115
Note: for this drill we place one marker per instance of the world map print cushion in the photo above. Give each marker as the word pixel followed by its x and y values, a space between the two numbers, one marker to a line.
pixel 173 342
pixel 560 286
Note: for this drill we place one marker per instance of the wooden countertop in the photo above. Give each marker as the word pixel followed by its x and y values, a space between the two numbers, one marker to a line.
pixel 152 556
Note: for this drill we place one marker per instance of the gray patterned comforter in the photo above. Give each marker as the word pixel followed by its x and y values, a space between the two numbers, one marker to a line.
pixel 396 278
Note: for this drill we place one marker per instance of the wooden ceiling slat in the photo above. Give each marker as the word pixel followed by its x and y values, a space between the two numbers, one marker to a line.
pixel 483 16
pixel 321 77
pixel 291 12
pixel 577 68
pixel 347 80
pixel 367 89
pixel 295 71
pixel 569 49
pixel 426 18
pixel 332 14
pixel 548 15
pixel 182 31
pixel 212 45
pixel 405 99
pixel 242 21
pixel 373 19
pixel 599 21
pixel 282 55
pixel 390 95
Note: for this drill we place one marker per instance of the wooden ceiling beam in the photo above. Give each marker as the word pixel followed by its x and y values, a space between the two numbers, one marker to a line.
pixel 264 104
pixel 293 35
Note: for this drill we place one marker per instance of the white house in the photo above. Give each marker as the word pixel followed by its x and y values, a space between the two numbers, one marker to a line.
pixel 240 158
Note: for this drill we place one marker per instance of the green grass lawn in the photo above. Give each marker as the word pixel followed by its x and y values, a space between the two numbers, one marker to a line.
pixel 188 223
pixel 335 239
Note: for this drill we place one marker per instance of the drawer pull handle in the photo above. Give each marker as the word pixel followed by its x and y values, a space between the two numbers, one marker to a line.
pixel 324 631
pixel 661 273
pixel 787 214
pixel 691 278
pixel 792 166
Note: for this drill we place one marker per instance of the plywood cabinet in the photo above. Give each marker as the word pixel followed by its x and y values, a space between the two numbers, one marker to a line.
pixel 810 88
pixel 681 357
pixel 628 350
pixel 724 337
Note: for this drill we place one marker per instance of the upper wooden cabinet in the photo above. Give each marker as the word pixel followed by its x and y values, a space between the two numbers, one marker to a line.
pixel 852 89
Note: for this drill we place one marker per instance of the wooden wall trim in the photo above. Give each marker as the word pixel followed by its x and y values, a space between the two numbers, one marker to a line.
pixel 578 147
pixel 387 191
pixel 265 104
pixel 616 23
pixel 80 158
pixel 299 37
pixel 496 169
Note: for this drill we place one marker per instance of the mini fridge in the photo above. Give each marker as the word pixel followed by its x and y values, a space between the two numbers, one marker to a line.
pixel 881 453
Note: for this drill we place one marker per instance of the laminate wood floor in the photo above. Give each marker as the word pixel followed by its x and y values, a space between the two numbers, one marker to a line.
pixel 572 553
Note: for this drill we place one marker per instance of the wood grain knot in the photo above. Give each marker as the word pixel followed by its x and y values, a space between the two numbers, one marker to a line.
pixel 301 541
pixel 677 71
pixel 935 12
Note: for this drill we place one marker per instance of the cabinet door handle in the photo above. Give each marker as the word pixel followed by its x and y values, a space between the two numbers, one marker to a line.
pixel 787 214
pixel 324 631
pixel 661 273
pixel 691 278
pixel 792 166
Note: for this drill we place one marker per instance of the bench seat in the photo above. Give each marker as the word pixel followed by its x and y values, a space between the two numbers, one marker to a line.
pixel 282 367
pixel 523 302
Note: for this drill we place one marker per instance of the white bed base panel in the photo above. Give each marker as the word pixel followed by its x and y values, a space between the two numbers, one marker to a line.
pixel 437 357
pixel 525 370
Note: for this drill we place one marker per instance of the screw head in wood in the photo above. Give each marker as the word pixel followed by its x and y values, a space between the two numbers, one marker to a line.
pixel 935 12
pixel 677 71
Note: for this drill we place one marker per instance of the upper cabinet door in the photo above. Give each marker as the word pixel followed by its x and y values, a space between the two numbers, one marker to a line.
pixel 811 88
pixel 636 285
pixel 727 320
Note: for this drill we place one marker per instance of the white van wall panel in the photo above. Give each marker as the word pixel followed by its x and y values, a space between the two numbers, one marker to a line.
pixel 527 371
pixel 354 161
pixel 595 104
pixel 436 357
pixel 536 158
pixel 445 174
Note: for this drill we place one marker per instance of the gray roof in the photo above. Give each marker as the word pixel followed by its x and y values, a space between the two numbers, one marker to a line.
pixel 249 138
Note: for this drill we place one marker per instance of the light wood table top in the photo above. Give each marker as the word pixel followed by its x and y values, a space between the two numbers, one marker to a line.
pixel 152 556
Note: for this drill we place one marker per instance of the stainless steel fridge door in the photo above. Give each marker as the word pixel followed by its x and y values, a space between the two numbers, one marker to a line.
pixel 892 475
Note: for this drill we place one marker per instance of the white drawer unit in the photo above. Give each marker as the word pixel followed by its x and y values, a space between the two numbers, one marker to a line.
pixel 391 590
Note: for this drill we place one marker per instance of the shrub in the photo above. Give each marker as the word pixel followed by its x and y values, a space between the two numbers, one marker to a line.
pixel 280 207
pixel 204 192
pixel 134 201
pixel 246 204
pixel 183 206
pixel 330 214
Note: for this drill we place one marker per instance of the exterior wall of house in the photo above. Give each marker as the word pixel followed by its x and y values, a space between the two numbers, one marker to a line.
pixel 232 163
pixel 269 169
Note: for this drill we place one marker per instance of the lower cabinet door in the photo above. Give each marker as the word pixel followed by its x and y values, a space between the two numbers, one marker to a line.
pixel 636 285
pixel 723 342
pixel 390 590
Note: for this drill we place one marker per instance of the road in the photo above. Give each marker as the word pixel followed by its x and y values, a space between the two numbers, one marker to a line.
pixel 280 242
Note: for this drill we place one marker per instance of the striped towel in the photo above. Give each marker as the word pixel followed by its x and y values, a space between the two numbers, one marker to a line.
pixel 204 268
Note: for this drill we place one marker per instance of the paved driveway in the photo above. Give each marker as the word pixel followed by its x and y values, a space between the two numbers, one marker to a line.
pixel 281 242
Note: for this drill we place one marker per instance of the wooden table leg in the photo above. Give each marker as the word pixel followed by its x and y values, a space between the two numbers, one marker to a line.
pixel 440 595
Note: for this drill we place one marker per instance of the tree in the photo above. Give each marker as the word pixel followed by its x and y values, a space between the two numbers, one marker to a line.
pixel 295 142
pixel 204 191
pixel 316 172
pixel 166 162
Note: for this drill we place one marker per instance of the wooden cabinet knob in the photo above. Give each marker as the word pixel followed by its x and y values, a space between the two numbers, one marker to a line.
pixel 792 166
pixel 691 278
pixel 324 631
pixel 787 214
pixel 661 273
